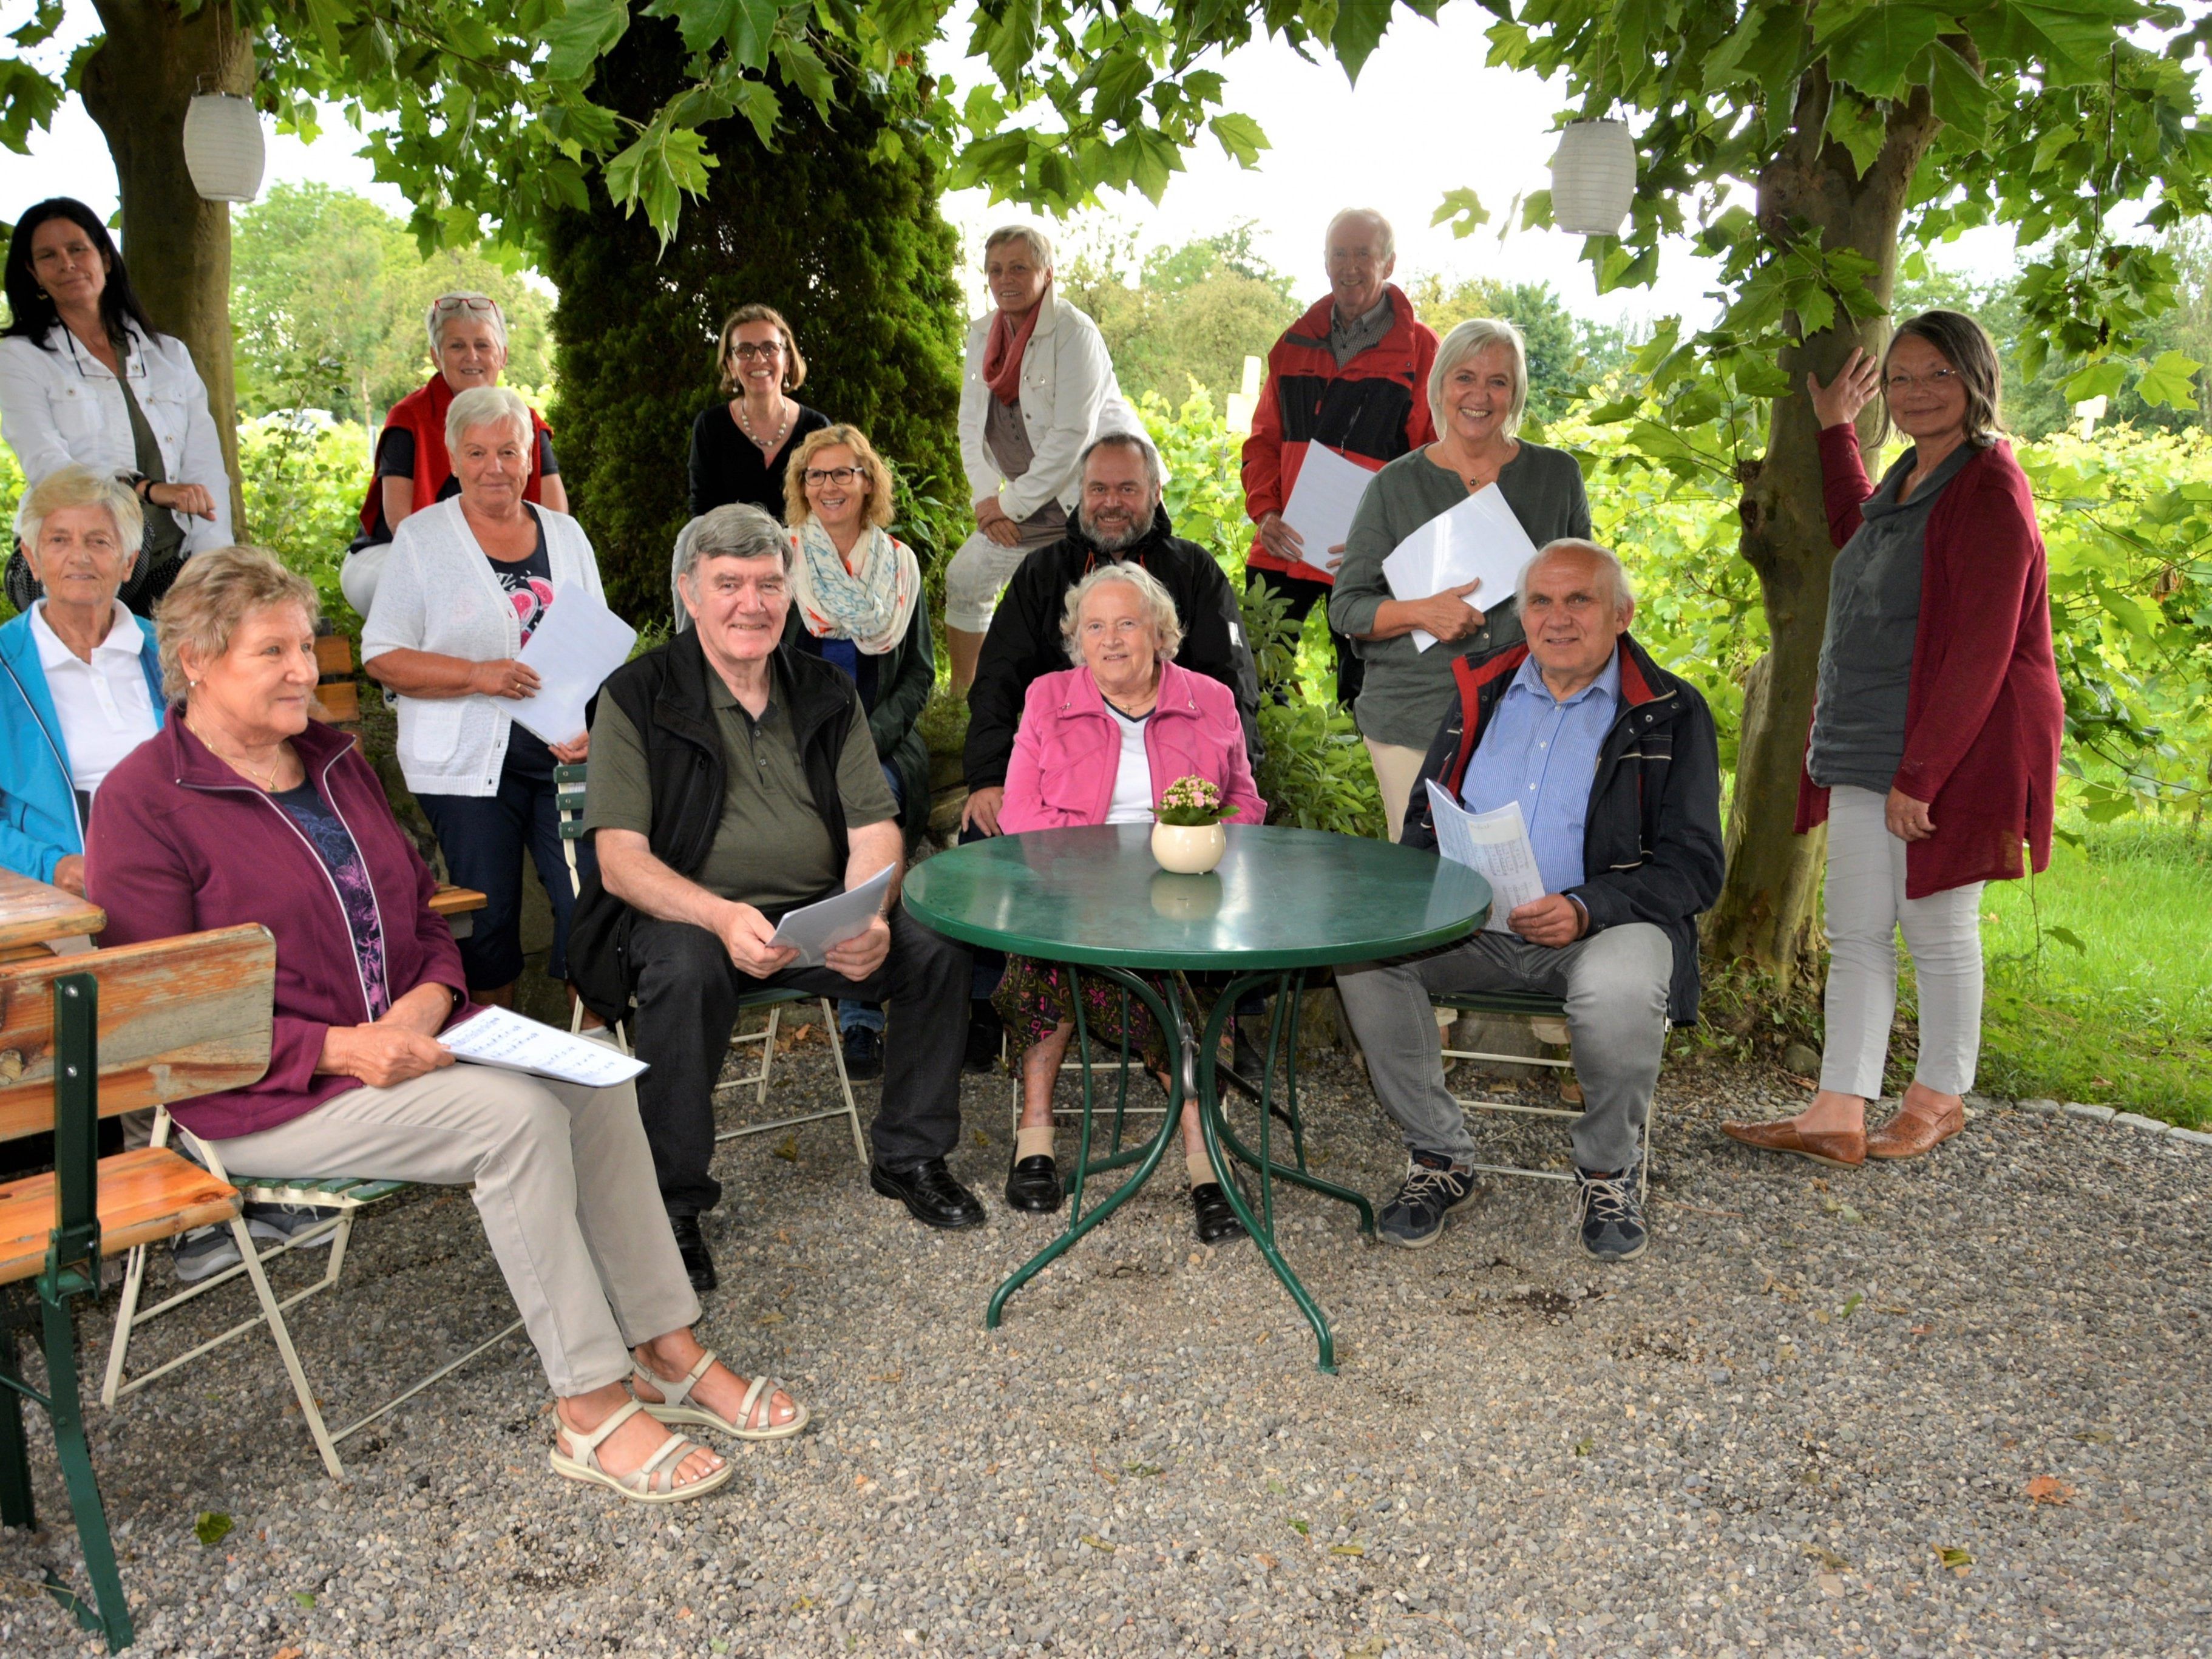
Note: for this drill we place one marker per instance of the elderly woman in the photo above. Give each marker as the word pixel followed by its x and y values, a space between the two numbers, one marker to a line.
pixel 856 601
pixel 741 446
pixel 1478 391
pixel 1097 743
pixel 468 581
pixel 80 682
pixel 1933 751
pixel 414 463
pixel 85 380
pixel 243 811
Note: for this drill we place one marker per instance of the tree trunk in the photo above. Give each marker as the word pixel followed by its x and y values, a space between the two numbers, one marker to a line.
pixel 137 86
pixel 1764 913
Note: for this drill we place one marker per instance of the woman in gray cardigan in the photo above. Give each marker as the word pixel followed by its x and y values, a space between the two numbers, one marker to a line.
pixel 1478 392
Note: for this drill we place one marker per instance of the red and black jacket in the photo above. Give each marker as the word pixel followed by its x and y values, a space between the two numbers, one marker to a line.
pixel 1651 839
pixel 1372 411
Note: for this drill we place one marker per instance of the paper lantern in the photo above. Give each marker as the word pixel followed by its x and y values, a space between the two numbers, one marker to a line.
pixel 1593 178
pixel 223 150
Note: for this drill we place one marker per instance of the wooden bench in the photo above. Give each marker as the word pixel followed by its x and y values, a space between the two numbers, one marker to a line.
pixel 82 1037
pixel 335 689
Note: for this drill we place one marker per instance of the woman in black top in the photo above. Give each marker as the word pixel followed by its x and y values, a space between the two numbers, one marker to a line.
pixel 740 448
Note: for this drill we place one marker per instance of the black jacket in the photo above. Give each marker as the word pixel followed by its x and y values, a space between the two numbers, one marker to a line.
pixel 905 676
pixel 1024 643
pixel 663 692
pixel 1651 842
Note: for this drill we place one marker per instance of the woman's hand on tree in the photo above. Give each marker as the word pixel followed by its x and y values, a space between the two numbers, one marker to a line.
pixel 1838 402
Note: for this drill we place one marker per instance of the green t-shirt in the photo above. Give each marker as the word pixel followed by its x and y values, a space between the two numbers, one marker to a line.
pixel 771 849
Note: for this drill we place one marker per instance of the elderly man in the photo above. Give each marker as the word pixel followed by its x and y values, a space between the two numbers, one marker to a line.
pixel 1351 374
pixel 732 780
pixel 1038 387
pixel 1614 763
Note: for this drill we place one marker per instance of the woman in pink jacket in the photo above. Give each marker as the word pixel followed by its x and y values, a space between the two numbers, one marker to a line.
pixel 1097 743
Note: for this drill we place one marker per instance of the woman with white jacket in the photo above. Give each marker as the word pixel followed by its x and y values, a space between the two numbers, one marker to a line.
pixel 466 582
pixel 85 380
pixel 1038 387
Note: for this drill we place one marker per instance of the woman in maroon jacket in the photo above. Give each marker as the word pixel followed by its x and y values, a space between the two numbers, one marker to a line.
pixel 241 810
pixel 1934 753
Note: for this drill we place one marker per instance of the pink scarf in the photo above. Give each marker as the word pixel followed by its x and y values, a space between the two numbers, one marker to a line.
pixel 1002 353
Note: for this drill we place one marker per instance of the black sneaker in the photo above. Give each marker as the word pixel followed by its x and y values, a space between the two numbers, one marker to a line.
pixel 281 1224
pixel 1610 1215
pixel 863 1053
pixel 202 1252
pixel 1433 1189
pixel 986 1031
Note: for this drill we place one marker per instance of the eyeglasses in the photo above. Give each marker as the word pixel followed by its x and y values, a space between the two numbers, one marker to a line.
pixel 747 351
pixel 445 304
pixel 1936 381
pixel 817 476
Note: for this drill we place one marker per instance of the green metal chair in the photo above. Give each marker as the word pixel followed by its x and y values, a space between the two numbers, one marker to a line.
pixel 83 1037
pixel 569 786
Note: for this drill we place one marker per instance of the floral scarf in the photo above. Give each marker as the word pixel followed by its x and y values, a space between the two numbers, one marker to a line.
pixel 871 604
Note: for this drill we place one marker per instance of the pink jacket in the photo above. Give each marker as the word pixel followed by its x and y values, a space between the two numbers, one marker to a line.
pixel 1068 747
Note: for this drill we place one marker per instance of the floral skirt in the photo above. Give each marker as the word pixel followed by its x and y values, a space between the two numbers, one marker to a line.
pixel 1033 999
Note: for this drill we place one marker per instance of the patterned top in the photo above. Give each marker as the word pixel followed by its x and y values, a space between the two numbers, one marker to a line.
pixel 334 844
pixel 528 583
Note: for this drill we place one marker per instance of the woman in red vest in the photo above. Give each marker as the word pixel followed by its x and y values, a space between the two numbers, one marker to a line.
pixel 468 339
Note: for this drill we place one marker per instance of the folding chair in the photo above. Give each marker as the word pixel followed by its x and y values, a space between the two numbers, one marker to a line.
pixel 1548 1015
pixel 569 784
pixel 83 1037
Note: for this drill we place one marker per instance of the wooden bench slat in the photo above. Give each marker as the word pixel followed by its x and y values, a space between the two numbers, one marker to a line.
pixel 32 912
pixel 450 901
pixel 340 702
pixel 333 654
pixel 145 1196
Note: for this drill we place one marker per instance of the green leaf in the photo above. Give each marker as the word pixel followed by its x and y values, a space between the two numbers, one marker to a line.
pixel 2068 938
pixel 1962 95
pixel 1463 209
pixel 1241 136
pixel 212 1526
pixel 582 35
pixel 2098 381
pixel 1358 27
pixel 2172 381
pixel 905 24
pixel 804 69
pixel 1860 127
pixel 1875 53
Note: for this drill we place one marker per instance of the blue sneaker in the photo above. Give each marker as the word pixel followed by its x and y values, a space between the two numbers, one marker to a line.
pixel 281 1224
pixel 1610 1215
pixel 1433 1189
pixel 202 1252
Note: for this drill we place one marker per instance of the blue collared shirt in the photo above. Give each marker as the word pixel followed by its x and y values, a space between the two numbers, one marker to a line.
pixel 1543 753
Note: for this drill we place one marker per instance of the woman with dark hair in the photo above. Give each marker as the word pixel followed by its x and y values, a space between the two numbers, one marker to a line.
pixel 741 446
pixel 1933 751
pixel 86 380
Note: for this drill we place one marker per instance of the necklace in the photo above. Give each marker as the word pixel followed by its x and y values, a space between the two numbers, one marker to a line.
pixel 1131 714
pixel 748 426
pixel 267 785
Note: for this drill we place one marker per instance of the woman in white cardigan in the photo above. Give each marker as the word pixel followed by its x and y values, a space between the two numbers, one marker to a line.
pixel 86 380
pixel 466 582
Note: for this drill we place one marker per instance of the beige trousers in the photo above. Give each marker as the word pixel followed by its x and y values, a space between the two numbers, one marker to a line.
pixel 1396 771
pixel 591 1263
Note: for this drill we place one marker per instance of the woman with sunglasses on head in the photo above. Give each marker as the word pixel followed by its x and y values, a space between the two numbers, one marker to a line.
pixel 468 341
pixel 1934 750
pixel 86 380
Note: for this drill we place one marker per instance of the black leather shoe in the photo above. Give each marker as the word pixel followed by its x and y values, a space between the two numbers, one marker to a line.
pixel 1216 1219
pixel 863 1053
pixel 1033 1185
pixel 931 1196
pixel 691 1245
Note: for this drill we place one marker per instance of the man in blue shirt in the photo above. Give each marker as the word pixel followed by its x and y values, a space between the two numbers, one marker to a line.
pixel 1613 763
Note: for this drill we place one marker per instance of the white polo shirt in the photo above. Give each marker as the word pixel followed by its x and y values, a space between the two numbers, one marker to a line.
pixel 104 706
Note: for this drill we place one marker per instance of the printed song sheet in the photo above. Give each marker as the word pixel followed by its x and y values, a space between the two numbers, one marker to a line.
pixel 1495 846
pixel 1322 504
pixel 575 648
pixel 811 929
pixel 499 1036
pixel 1478 539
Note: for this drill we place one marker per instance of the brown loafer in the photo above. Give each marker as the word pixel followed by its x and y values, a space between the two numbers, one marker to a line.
pixel 1844 1149
pixel 1910 1133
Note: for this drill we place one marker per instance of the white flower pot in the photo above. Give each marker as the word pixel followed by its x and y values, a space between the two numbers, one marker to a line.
pixel 1188 849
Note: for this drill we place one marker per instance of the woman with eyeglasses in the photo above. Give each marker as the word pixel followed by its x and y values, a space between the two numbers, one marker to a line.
pixel 856 601
pixel 1934 749
pixel 86 380
pixel 468 341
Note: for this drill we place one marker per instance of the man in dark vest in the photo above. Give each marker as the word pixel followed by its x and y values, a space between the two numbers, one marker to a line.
pixel 732 780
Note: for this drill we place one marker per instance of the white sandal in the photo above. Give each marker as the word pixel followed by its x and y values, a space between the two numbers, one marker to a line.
pixel 672 1408
pixel 652 1482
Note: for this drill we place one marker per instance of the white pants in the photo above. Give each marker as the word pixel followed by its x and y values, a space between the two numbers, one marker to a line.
pixel 973 580
pixel 1396 771
pixel 358 574
pixel 1867 905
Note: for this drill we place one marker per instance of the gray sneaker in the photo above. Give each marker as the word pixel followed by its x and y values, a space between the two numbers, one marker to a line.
pixel 1433 1189
pixel 281 1224
pixel 1609 1215
pixel 202 1252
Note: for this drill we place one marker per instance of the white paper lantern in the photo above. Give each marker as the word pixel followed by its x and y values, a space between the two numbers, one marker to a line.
pixel 223 148
pixel 1593 178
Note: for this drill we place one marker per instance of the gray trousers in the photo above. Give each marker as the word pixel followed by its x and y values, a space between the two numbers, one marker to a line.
pixel 1615 985
pixel 591 1263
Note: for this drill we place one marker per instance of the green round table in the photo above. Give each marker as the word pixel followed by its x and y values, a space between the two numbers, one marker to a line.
pixel 1282 900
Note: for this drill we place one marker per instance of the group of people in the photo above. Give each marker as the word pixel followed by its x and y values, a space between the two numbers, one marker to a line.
pixel 768 755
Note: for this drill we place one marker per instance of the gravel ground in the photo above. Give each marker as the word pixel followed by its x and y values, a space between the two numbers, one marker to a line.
pixel 1815 1419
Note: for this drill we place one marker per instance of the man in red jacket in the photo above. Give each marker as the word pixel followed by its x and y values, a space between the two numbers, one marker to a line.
pixel 1351 373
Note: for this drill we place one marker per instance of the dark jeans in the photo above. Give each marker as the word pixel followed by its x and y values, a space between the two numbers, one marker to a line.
pixel 1302 596
pixel 484 837
pixel 687 1004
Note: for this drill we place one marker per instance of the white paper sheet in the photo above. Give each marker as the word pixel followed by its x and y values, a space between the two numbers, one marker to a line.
pixel 501 1038
pixel 1478 539
pixel 1322 504
pixel 1495 846
pixel 578 644
pixel 811 929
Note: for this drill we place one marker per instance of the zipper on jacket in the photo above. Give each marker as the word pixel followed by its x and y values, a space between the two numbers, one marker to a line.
pixel 69 778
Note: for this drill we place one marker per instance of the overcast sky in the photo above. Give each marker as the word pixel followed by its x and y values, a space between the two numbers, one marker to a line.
pixel 1426 117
